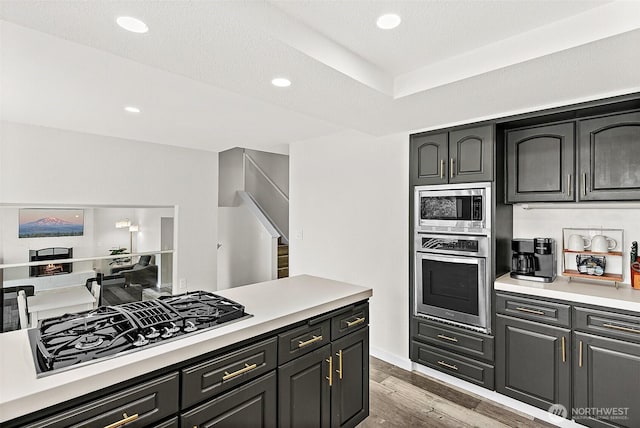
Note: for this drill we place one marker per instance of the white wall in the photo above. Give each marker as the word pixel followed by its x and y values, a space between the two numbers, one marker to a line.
pixel 349 222
pixel 246 255
pixel 49 166
pixel 548 223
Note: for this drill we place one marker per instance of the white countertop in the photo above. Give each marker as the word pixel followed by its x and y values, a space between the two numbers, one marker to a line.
pixel 591 293
pixel 274 304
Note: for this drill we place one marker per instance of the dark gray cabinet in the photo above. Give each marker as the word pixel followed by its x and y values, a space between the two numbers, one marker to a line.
pixel 142 405
pixel 456 351
pixel 458 156
pixel 305 397
pixel 250 405
pixel 610 157
pixel 541 163
pixel 606 383
pixel 533 362
pixel 328 386
pixel 428 159
pixel 350 383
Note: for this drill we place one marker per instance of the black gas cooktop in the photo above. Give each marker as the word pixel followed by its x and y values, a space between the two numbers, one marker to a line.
pixel 73 339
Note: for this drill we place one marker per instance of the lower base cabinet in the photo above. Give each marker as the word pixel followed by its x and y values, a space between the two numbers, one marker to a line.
pixel 328 387
pixel 305 395
pixel 250 405
pixel 350 385
pixel 606 382
pixel 142 405
pixel 533 364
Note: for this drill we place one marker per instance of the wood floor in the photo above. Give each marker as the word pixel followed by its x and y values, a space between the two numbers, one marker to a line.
pixel 399 398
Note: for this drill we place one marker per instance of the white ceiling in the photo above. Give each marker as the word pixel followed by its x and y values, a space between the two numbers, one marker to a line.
pixel 202 74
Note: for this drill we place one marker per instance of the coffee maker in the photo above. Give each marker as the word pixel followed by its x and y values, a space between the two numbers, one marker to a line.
pixel 533 259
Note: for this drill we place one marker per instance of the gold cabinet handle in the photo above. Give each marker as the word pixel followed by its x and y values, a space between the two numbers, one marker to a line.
pixel 355 322
pixel 441 169
pixel 330 377
pixel 450 339
pixel 449 366
pixel 584 184
pixel 530 311
pixel 339 371
pixel 245 369
pixel 126 419
pixel 568 184
pixel 621 328
pixel 580 355
pixel 451 168
pixel 564 351
pixel 314 339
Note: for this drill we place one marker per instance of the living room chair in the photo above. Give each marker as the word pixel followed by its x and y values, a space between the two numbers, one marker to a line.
pixel 22 310
pixel 95 290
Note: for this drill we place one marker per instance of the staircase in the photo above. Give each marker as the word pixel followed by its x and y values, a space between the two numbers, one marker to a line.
pixel 283 259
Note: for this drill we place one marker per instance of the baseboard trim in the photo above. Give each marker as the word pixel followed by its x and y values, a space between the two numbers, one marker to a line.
pixel 396 360
pixel 515 405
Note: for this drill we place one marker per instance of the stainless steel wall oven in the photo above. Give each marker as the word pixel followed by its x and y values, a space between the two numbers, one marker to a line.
pixel 453 266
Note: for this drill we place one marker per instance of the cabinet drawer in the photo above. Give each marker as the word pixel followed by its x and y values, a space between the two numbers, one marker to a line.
pixel 456 365
pixel 456 339
pixel 626 327
pixel 250 405
pixel 301 340
pixel 151 401
pixel 533 309
pixel 346 322
pixel 171 423
pixel 214 376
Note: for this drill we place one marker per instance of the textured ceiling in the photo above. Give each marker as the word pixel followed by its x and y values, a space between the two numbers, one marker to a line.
pixel 202 73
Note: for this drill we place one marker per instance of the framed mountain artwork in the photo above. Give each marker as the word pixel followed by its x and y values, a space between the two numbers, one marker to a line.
pixel 49 222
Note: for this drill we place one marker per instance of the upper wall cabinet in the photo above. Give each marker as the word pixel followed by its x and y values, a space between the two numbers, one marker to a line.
pixel 610 157
pixel 459 156
pixel 540 163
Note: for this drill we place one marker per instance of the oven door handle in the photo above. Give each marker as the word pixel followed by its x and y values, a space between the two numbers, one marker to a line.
pixel 471 260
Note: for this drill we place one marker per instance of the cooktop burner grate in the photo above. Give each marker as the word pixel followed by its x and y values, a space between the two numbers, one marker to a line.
pixel 149 313
pixel 73 339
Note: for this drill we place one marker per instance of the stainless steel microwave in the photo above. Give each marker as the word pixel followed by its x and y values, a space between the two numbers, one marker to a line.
pixel 453 208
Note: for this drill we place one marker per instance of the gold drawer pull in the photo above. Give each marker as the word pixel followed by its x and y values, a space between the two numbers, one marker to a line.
pixel 314 339
pixel 330 377
pixel 564 351
pixel 339 371
pixel 530 311
pixel 355 322
pixel 450 339
pixel 619 327
pixel 245 369
pixel 126 419
pixel 449 366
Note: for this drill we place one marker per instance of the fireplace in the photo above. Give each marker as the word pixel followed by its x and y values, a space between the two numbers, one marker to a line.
pixel 45 254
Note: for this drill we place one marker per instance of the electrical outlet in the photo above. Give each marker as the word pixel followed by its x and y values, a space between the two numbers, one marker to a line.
pixel 299 235
pixel 182 285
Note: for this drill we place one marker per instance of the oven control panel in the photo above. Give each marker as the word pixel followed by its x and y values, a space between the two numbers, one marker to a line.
pixel 452 244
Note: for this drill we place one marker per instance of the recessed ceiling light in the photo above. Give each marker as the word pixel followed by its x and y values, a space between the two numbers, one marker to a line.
pixel 388 21
pixel 132 109
pixel 132 24
pixel 281 82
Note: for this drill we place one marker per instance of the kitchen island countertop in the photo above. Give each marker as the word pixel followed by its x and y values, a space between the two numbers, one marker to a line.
pixel 273 304
pixel 607 295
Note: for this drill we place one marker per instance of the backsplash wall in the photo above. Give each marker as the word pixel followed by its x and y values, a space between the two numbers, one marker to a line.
pixel 549 221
